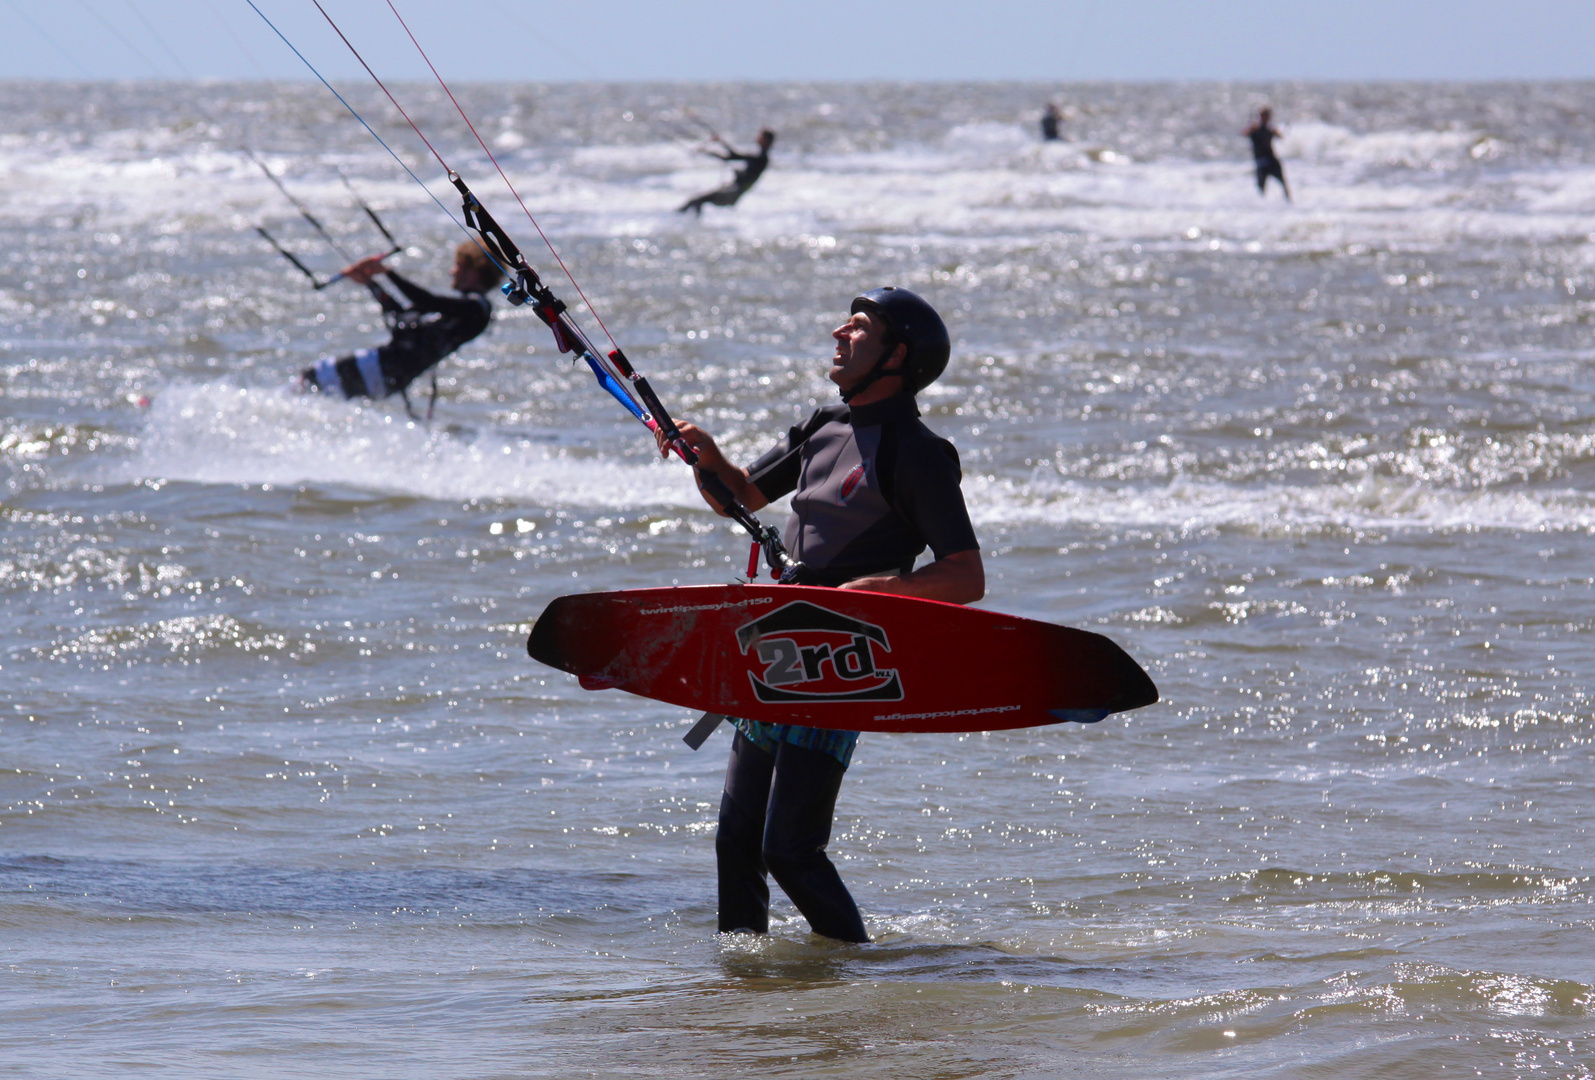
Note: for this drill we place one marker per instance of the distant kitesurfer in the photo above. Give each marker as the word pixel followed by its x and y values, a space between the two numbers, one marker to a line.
pixel 1050 121
pixel 1263 135
pixel 424 332
pixel 744 179
pixel 872 488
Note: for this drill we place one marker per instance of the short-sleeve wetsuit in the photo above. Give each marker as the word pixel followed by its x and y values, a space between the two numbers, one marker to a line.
pixel 872 489
pixel 423 333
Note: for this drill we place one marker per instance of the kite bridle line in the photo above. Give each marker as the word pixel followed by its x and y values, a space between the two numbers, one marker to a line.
pixel 317 283
pixel 394 247
pixel 613 370
pixel 372 132
pixel 183 70
pixel 370 213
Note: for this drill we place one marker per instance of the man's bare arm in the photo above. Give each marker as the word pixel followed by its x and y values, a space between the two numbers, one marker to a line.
pixel 712 460
pixel 960 578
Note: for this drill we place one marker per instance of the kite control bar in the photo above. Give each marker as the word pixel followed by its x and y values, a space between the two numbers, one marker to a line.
pixel 617 376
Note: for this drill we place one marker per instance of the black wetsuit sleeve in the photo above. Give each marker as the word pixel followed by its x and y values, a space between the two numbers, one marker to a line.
pixel 776 471
pixel 424 301
pixel 925 491
pixel 384 299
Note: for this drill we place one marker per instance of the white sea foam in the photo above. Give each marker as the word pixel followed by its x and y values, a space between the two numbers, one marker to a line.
pixel 1565 191
pixel 979 180
pixel 1330 144
pixel 1376 504
pixel 223 433
pixel 657 158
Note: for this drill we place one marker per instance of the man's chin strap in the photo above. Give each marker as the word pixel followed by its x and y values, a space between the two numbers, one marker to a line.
pixel 875 374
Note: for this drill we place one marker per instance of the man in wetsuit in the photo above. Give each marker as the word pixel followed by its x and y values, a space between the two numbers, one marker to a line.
pixel 872 488
pixel 424 332
pixel 1050 121
pixel 744 179
pixel 1263 135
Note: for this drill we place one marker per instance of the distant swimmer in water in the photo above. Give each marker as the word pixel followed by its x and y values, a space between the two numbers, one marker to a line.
pixel 1263 135
pixel 424 332
pixel 1050 121
pixel 745 177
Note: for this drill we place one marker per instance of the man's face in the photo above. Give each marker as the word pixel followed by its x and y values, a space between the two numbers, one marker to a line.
pixel 858 346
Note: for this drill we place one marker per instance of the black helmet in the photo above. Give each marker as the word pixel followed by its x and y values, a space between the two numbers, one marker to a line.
pixel 914 323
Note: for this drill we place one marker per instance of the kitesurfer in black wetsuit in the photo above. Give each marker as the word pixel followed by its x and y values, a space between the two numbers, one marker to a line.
pixel 424 331
pixel 872 487
pixel 745 177
pixel 1050 121
pixel 1263 135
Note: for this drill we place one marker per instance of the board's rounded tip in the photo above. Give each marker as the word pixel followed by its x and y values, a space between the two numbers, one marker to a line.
pixel 542 644
pixel 1138 694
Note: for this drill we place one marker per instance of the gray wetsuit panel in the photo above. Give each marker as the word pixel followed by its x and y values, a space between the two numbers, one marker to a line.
pixel 873 487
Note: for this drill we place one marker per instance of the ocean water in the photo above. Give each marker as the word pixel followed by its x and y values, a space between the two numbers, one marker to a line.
pixel 281 793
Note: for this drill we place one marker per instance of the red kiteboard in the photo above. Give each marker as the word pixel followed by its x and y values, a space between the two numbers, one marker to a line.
pixel 838 658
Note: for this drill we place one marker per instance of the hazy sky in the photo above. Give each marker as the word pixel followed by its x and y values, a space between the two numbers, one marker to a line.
pixel 813 39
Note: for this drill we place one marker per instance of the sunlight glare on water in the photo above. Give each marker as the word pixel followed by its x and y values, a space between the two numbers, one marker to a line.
pixel 283 793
